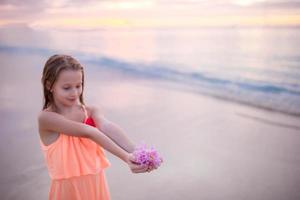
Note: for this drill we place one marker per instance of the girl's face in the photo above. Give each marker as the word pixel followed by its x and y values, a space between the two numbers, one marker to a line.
pixel 67 88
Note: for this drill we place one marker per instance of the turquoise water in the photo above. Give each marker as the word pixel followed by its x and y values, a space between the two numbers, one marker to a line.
pixel 256 66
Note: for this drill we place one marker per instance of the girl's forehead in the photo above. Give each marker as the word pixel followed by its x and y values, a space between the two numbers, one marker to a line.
pixel 70 76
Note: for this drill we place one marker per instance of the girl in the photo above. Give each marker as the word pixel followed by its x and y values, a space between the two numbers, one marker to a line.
pixel 72 135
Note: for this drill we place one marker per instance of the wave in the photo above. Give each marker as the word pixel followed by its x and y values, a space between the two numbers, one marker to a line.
pixel 283 98
pixel 260 94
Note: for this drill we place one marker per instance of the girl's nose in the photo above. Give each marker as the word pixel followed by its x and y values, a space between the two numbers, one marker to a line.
pixel 74 92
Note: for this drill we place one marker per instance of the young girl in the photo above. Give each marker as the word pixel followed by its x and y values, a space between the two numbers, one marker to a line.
pixel 72 135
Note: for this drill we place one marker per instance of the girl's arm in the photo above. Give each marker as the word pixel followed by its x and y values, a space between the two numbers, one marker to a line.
pixel 53 122
pixel 112 130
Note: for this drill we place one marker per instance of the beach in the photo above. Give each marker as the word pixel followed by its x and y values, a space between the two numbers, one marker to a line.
pixel 212 148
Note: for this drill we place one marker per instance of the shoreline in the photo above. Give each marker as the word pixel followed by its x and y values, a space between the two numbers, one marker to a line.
pixel 186 87
pixel 115 75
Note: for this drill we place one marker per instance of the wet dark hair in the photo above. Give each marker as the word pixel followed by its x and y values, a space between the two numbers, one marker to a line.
pixel 53 67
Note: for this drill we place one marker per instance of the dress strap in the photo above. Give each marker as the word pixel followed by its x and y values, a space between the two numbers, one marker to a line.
pixel 85 112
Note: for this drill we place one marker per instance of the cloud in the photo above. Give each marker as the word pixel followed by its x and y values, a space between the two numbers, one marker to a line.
pixel 21 11
pixel 26 5
pixel 278 4
pixel 136 12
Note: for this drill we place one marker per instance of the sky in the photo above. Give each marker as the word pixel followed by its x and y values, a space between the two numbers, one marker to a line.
pixel 93 14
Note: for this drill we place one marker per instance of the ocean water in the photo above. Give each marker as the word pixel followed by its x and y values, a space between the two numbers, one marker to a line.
pixel 255 66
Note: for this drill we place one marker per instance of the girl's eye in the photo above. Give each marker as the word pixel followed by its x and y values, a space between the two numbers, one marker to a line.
pixel 66 88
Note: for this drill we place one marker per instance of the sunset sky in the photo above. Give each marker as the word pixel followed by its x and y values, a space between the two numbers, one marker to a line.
pixel 92 14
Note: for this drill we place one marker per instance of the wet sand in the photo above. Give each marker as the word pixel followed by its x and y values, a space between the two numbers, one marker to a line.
pixel 212 149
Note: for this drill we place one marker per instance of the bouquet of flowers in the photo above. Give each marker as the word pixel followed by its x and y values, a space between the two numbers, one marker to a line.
pixel 147 156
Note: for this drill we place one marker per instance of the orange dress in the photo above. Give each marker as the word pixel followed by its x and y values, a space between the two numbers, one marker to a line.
pixel 76 168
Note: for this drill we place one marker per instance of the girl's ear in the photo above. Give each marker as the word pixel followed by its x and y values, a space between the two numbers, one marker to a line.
pixel 48 85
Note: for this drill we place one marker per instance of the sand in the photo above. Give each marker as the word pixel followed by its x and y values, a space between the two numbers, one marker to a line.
pixel 212 149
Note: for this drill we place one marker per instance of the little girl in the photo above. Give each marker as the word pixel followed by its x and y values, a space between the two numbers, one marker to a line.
pixel 72 135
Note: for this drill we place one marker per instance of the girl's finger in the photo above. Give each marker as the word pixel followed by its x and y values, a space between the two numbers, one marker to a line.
pixel 138 167
pixel 139 170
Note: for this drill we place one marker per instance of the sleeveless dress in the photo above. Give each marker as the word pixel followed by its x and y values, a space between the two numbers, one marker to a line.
pixel 76 167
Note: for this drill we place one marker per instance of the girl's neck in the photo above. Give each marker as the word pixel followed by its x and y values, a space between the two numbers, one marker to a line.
pixel 61 109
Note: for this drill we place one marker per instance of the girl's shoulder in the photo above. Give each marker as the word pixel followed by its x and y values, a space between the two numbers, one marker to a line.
pixel 48 110
pixel 45 118
pixel 45 115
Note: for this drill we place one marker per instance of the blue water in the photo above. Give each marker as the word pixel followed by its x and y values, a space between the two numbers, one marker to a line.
pixel 255 66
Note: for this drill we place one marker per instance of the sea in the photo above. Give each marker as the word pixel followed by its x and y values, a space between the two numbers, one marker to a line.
pixel 257 66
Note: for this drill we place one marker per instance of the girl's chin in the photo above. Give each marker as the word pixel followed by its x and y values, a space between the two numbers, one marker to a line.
pixel 72 102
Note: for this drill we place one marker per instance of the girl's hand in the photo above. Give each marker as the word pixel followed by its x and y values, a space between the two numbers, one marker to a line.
pixel 135 167
pixel 153 167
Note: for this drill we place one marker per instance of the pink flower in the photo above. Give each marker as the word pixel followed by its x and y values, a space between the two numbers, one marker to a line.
pixel 145 156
